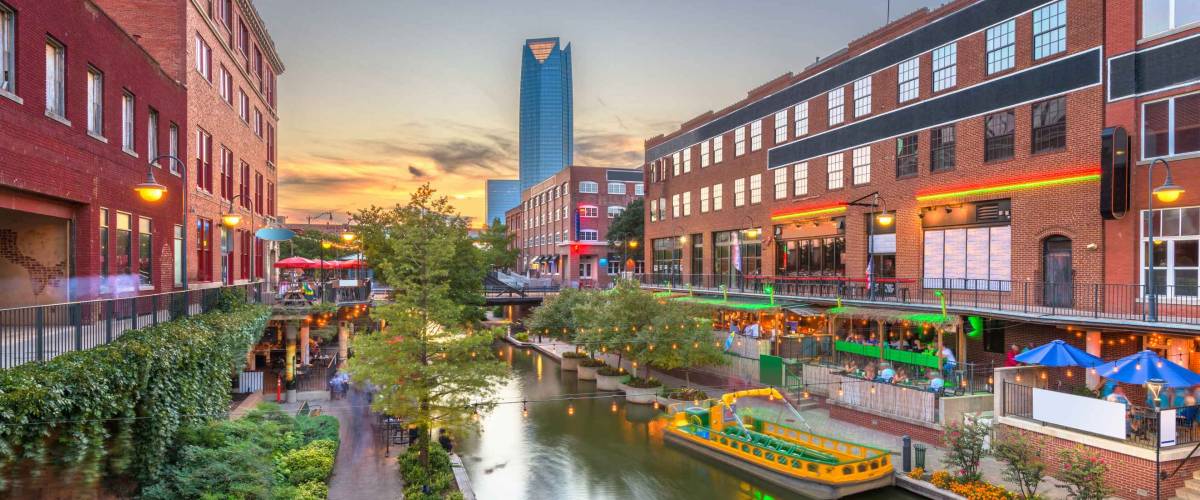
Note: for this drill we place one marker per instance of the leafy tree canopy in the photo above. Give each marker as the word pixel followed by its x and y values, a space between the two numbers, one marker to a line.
pixel 497 247
pixel 627 226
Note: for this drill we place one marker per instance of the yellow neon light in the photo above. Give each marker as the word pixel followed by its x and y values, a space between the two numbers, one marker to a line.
pixel 1013 186
pixel 809 213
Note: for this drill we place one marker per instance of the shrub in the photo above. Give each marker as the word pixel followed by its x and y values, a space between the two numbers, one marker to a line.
pixel 941 479
pixel 964 448
pixel 1022 461
pixel 439 479
pixel 643 383
pixel 574 355
pixel 917 473
pixel 979 490
pixel 687 394
pixel 1082 474
pixel 313 462
pixel 593 363
pixel 522 336
pixel 611 371
pixel 318 427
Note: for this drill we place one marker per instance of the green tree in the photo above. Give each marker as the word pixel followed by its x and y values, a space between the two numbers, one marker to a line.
pixel 1023 463
pixel 627 226
pixel 429 365
pixel 681 337
pixel 497 246
pixel 557 316
pixel 307 244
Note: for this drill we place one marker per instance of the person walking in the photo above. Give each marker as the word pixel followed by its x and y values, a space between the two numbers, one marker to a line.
pixel 445 441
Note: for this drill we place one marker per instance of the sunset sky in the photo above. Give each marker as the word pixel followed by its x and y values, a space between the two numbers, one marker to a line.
pixel 440 98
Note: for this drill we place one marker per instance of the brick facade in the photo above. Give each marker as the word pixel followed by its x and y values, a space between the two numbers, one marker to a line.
pixel 554 214
pixel 53 170
pixel 174 30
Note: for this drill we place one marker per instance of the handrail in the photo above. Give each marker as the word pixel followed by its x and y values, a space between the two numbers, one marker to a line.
pixel 1164 475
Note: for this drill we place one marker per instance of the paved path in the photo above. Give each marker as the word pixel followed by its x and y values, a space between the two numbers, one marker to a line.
pixel 361 471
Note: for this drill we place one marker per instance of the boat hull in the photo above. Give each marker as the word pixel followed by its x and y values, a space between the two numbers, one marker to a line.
pixel 807 487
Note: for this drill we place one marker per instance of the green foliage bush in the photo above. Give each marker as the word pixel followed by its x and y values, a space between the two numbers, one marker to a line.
pixel 311 463
pixel 116 410
pixel 643 383
pixel 439 478
pixel 593 363
pixel 574 355
pixel 318 427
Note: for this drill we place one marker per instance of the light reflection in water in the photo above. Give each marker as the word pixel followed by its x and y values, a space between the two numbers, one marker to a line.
pixel 593 454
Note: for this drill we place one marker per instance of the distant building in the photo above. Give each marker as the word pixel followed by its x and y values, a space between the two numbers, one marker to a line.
pixel 502 194
pixel 547 130
pixel 560 225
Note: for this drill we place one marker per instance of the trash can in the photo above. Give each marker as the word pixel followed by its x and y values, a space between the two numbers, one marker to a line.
pixel 920 455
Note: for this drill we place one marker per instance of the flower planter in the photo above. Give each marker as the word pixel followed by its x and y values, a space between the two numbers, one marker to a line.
pixel 610 382
pixel 640 395
pixel 569 364
pixel 588 372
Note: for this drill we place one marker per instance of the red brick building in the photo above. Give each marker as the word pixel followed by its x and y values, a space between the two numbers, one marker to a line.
pixel 84 109
pixel 561 225
pixel 222 52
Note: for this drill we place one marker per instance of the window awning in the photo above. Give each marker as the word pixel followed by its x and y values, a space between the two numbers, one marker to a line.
pixel 805 310
pixel 893 315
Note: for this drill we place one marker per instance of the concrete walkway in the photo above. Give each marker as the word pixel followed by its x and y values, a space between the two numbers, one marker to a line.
pixel 361 471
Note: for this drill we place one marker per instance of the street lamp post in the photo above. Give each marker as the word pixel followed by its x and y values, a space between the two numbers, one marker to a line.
pixel 152 191
pixel 1168 192
pixel 230 220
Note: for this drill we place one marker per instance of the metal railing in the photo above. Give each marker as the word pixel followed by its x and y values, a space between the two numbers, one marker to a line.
pixel 1175 304
pixel 39 333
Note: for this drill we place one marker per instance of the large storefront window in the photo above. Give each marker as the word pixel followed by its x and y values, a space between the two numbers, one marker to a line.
pixel 1176 250
pixel 697 260
pixel 124 247
pixel 667 256
pixel 811 257
pixel 736 255
pixel 972 258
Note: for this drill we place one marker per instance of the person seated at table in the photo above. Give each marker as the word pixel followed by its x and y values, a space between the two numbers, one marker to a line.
pixel 896 344
pixel 869 372
pixel 1189 411
pixel 935 381
pixel 753 331
pixel 1118 396
pixel 901 376
pixel 1109 386
pixel 1010 357
pixel 914 345
pixel 887 374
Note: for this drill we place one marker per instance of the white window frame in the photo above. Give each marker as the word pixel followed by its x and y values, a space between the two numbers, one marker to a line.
pixel 800 179
pixel 1173 23
pixel 1049 30
pixel 781 183
pixel 944 265
pixel 687 160
pixel 614 211
pixel 704 154
pixel 781 126
pixel 908 80
pixel 173 147
pixel 739 192
pixel 756 135
pixel 1171 126
pixel 837 108
pixel 835 174
pixel 718 197
pixel 945 66
pixel 755 189
pixel 704 200
pixel 677 162
pixel 639 189
pixel 589 187
pixel 8 68
pixel 128 123
pixel 95 102
pixel 675 208
pixel 861 161
pixel 718 149
pixel 800 117
pixel 203 58
pixel 1167 243
pixel 613 188
pixel 739 141
pixel 56 67
pixel 243 105
pixel 862 97
pixel 1001 46
pixel 586 212
pixel 687 203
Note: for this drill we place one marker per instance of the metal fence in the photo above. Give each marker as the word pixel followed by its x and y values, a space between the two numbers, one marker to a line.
pixel 1171 304
pixel 39 333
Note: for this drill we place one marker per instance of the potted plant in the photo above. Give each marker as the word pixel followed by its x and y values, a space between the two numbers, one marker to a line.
pixel 641 391
pixel 608 378
pixel 589 367
pixel 571 359
pixel 682 395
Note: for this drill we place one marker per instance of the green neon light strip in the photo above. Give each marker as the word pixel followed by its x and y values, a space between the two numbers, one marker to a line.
pixel 1012 187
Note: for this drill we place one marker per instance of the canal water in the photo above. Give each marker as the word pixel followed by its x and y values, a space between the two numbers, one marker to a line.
pixel 584 449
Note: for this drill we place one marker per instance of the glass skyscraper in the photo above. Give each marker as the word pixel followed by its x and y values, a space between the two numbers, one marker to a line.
pixel 502 195
pixel 547 131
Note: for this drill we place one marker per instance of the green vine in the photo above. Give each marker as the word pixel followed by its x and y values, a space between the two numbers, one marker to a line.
pixel 113 411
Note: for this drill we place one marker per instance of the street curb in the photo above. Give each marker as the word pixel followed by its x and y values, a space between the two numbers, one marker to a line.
pixel 461 477
pixel 924 489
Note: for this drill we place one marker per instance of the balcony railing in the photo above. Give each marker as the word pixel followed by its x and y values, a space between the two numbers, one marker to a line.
pixel 39 333
pixel 1175 304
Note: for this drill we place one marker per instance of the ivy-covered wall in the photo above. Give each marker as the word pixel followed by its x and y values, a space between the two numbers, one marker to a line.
pixel 113 411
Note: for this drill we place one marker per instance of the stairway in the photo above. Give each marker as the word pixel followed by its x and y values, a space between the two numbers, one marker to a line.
pixel 1190 489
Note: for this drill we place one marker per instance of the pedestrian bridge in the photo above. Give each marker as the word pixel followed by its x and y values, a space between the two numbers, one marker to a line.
pixel 501 292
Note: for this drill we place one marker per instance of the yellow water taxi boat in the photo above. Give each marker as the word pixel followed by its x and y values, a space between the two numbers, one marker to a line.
pixel 814 465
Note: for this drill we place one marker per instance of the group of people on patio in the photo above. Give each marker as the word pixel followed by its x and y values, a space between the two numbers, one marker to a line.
pixel 886 372
pixel 900 343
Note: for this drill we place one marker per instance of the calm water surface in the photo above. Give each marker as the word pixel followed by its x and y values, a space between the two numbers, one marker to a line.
pixel 596 453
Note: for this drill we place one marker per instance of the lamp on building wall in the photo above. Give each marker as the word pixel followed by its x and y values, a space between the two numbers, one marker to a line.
pixel 1168 192
pixel 152 191
pixel 751 232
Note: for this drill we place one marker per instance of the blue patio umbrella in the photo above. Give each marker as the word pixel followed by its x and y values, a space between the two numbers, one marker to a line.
pixel 1146 365
pixel 1058 353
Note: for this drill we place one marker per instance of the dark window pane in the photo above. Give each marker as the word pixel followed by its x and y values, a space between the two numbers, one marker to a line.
pixel 1185 282
pixel 1170 222
pixel 941 144
pixel 1156 124
pixel 998 136
pixel 1050 125
pixel 1187 124
pixel 906 155
pixel 1160 253
pixel 1187 253
pixel 1191 221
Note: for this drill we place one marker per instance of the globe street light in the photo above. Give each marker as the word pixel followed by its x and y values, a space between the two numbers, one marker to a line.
pixel 151 191
pixel 1168 192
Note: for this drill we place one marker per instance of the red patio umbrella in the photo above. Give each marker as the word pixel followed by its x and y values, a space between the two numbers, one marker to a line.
pixel 297 263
